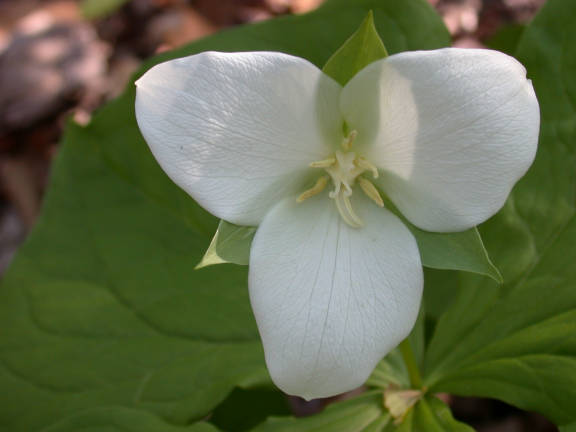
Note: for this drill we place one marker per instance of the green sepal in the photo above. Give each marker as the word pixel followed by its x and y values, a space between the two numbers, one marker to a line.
pixel 361 49
pixel 462 251
pixel 230 244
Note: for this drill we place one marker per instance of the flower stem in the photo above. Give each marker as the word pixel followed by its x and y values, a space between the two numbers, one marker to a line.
pixel 411 365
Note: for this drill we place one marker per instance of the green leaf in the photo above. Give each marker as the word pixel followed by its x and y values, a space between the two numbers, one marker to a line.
pixel 431 415
pixel 440 289
pixel 361 414
pixel 507 38
pixel 518 343
pixel 92 9
pixel 568 428
pixel 361 49
pixel 230 244
pixel 244 409
pixel 118 419
pixel 102 307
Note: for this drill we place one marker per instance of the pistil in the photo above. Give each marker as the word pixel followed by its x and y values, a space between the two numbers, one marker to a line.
pixel 349 140
pixel 344 206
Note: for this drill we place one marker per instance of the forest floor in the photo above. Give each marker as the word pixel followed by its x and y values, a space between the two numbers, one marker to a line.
pixel 56 63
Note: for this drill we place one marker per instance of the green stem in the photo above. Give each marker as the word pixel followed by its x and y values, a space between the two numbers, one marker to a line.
pixel 410 361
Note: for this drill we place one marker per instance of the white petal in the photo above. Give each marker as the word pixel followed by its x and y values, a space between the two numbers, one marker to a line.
pixel 453 130
pixel 237 131
pixel 330 300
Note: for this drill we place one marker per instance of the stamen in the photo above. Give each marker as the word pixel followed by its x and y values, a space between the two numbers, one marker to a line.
pixel 371 191
pixel 348 141
pixel 367 165
pixel 345 168
pixel 326 163
pixel 314 190
pixel 346 211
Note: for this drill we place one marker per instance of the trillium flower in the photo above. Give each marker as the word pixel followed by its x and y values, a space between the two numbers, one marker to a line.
pixel 267 139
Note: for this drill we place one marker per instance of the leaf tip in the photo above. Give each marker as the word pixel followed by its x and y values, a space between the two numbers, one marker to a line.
pixel 496 275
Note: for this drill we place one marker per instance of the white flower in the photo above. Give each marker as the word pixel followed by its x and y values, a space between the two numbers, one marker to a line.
pixel 263 138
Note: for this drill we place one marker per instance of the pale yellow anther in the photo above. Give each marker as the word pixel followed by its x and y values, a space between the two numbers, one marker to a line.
pixel 370 191
pixel 314 190
pixel 326 163
pixel 367 165
pixel 349 140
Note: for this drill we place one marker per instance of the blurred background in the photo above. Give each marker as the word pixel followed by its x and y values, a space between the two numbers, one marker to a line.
pixel 65 58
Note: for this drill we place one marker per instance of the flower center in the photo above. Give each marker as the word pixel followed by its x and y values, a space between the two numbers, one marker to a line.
pixel 345 168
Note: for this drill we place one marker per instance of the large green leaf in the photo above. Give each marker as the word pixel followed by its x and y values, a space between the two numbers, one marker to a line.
pixel 118 419
pixel 102 306
pixel 518 343
pixel 238 412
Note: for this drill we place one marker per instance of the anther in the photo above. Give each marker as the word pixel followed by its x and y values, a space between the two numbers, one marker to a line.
pixel 314 190
pixel 349 140
pixel 367 165
pixel 371 191
pixel 326 163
